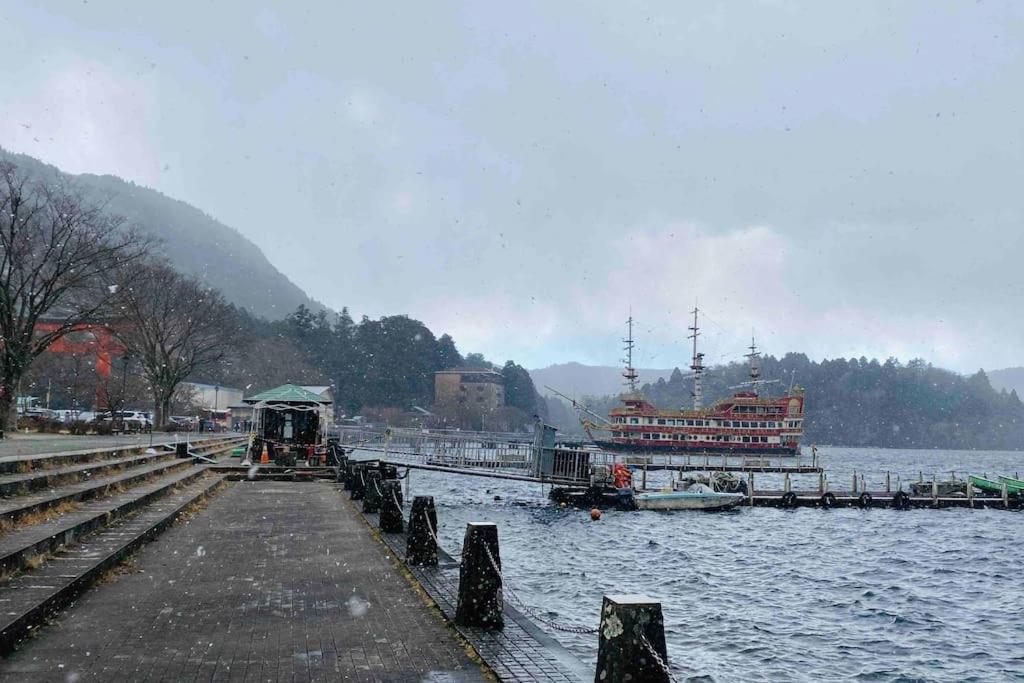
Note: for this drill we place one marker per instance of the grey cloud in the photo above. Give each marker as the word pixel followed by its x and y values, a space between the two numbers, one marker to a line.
pixel 478 165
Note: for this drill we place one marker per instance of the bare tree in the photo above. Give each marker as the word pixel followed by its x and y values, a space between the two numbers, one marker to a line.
pixel 58 256
pixel 174 327
pixel 122 388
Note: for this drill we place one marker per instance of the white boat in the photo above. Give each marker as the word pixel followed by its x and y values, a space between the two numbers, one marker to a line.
pixel 696 497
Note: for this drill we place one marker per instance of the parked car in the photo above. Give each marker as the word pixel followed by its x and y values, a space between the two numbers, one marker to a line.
pixel 133 420
pixel 183 421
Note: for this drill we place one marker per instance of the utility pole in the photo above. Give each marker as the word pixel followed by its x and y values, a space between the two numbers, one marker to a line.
pixel 124 388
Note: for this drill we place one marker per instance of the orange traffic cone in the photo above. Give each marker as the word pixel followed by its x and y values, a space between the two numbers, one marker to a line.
pixel 264 458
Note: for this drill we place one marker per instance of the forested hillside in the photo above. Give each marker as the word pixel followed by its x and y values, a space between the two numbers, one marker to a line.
pixel 195 243
pixel 373 364
pixel 861 402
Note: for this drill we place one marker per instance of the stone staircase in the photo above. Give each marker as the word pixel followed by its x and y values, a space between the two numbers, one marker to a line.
pixel 68 518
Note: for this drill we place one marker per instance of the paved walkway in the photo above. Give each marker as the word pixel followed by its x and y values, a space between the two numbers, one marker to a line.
pixel 274 581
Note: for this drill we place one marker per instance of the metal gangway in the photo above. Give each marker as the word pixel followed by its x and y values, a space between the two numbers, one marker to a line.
pixel 539 457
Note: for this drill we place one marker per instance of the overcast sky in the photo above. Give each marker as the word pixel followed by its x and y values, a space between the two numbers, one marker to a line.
pixel 845 178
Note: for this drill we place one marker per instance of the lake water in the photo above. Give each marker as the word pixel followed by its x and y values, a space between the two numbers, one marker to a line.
pixel 768 594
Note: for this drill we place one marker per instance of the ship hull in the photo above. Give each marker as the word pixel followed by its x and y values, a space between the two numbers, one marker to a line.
pixel 694 449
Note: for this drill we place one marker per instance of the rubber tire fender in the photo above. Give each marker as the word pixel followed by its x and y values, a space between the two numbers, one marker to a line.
pixel 828 500
pixel 864 501
pixel 789 500
pixel 901 501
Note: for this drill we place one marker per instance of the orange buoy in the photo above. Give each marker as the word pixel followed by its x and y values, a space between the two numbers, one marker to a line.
pixel 595 514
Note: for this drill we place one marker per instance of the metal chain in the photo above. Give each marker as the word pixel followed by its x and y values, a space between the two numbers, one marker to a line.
pixel 657 658
pixel 514 598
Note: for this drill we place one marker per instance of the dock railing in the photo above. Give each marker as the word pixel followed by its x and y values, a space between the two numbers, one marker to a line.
pixel 542 456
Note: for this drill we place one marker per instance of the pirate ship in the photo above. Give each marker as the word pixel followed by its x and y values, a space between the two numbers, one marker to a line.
pixel 749 422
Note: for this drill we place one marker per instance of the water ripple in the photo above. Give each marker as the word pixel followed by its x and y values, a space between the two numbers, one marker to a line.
pixel 763 594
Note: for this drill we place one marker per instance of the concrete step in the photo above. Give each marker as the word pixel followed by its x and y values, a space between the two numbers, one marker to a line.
pixel 15 464
pixel 14 510
pixel 32 597
pixel 21 484
pixel 23 548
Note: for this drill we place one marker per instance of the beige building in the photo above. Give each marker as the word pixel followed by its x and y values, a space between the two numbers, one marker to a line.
pixel 470 387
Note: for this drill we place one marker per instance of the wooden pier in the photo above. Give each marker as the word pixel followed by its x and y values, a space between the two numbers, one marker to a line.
pixel 581 473
pixel 899 500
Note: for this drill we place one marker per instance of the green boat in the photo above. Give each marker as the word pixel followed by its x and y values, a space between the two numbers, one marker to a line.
pixel 1013 485
pixel 997 486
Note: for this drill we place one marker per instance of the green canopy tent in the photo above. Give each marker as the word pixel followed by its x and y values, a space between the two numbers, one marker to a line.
pixel 288 417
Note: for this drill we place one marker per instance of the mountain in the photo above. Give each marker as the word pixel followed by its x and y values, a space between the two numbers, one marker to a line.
pixel 1008 379
pixel 577 380
pixel 196 244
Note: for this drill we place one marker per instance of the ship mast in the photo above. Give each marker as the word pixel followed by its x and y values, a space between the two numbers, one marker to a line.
pixel 697 366
pixel 630 372
pixel 755 364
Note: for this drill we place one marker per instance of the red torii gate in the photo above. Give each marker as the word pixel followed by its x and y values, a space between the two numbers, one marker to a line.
pixel 96 339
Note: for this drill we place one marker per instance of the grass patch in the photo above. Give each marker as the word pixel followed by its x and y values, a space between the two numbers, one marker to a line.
pixel 39 516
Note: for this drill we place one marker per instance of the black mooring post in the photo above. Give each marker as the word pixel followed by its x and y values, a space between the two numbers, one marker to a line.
pixel 347 474
pixel 391 506
pixel 357 485
pixel 340 472
pixel 421 547
pixel 371 496
pixel 631 644
pixel 480 597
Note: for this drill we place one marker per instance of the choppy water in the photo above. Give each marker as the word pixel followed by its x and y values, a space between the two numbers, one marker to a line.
pixel 766 594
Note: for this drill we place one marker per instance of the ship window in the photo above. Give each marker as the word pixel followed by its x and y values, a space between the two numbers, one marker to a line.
pixel 746 439
pixel 646 435
pixel 661 422
pixel 671 423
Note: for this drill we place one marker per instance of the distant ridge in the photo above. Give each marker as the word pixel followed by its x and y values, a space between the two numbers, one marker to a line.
pixel 195 243
pixel 1007 378
pixel 577 380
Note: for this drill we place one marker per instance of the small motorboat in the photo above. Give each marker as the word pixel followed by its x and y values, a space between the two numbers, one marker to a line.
pixel 693 497
pixel 1013 486
pixel 952 487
